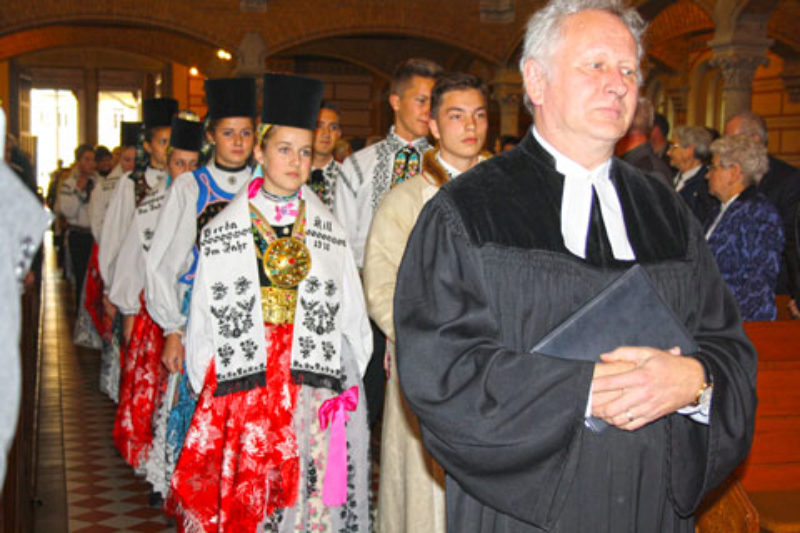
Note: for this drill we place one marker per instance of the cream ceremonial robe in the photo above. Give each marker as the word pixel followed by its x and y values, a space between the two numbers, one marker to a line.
pixel 411 492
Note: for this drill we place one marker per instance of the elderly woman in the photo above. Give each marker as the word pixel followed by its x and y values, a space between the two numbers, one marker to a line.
pixel 689 153
pixel 746 235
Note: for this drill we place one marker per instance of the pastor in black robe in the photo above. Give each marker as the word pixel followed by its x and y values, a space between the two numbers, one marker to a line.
pixel 484 277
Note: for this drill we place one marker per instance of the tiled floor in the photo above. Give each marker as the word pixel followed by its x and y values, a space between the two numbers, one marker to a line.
pixel 83 484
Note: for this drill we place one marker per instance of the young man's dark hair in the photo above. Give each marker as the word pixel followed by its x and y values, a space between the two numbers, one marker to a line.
pixel 327 104
pixel 415 66
pixel 101 152
pixel 82 149
pixel 454 81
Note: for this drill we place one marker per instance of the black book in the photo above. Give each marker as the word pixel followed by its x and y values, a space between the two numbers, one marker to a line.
pixel 629 312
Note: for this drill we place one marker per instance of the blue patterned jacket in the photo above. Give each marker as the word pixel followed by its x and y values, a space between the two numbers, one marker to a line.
pixel 747 244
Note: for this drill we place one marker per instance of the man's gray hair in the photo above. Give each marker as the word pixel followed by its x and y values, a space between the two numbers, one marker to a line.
pixel 751 124
pixel 698 137
pixel 544 30
pixel 743 150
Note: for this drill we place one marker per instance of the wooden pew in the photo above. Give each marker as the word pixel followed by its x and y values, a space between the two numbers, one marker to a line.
pixel 771 473
pixel 727 510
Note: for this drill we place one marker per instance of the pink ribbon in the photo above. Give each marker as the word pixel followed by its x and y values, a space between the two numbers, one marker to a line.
pixel 334 412
pixel 286 209
pixel 256 182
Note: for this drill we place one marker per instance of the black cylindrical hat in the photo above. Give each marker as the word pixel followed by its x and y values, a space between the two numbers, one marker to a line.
pixel 129 133
pixel 186 134
pixel 231 97
pixel 158 112
pixel 291 101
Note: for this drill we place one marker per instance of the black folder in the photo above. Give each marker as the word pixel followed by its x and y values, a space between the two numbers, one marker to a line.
pixel 629 312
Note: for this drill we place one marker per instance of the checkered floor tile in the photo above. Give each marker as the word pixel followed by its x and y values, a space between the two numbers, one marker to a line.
pixel 102 493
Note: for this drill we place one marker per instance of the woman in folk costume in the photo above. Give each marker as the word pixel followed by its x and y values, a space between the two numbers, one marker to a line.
pixel 143 377
pixel 149 174
pixel 278 341
pixel 94 301
pixel 411 493
pixel 194 198
pixel 186 143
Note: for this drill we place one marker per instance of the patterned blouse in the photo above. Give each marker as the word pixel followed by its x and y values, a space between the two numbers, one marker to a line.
pixel 747 244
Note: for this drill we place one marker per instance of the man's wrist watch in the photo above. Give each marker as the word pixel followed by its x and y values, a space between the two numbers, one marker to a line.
pixel 702 392
pixel 703 399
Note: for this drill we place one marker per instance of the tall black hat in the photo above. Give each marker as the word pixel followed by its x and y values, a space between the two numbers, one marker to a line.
pixel 158 112
pixel 129 133
pixel 291 101
pixel 186 134
pixel 231 97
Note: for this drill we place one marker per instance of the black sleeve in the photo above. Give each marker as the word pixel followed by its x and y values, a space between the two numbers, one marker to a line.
pixel 504 424
pixel 702 457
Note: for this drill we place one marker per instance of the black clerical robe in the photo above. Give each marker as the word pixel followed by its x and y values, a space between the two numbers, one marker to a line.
pixel 484 277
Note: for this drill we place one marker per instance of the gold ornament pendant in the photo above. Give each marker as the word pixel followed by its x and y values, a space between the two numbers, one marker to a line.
pixel 287 262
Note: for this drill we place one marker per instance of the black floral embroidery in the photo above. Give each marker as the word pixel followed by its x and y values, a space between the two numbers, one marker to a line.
pixel 219 290
pixel 234 321
pixel 311 479
pixel 328 351
pixel 273 522
pixel 225 354
pixel 348 510
pixel 312 284
pixel 307 345
pixel 330 288
pixel 320 318
pixel 241 285
pixel 249 348
pixel 382 175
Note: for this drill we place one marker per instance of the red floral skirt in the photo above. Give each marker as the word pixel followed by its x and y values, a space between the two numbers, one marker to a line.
pixel 143 380
pixel 93 287
pixel 239 461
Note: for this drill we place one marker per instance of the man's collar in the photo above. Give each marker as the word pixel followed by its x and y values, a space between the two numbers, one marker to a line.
pixel 396 142
pixel 450 169
pixel 567 166
pixel 689 174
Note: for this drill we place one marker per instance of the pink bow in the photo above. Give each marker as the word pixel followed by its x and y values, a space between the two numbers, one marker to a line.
pixel 286 209
pixel 256 182
pixel 334 412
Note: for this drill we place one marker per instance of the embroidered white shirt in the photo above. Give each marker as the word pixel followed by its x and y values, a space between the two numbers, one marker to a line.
pixel 365 179
pixel 170 254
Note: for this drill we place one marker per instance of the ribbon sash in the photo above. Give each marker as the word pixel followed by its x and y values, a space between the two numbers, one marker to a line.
pixel 334 412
